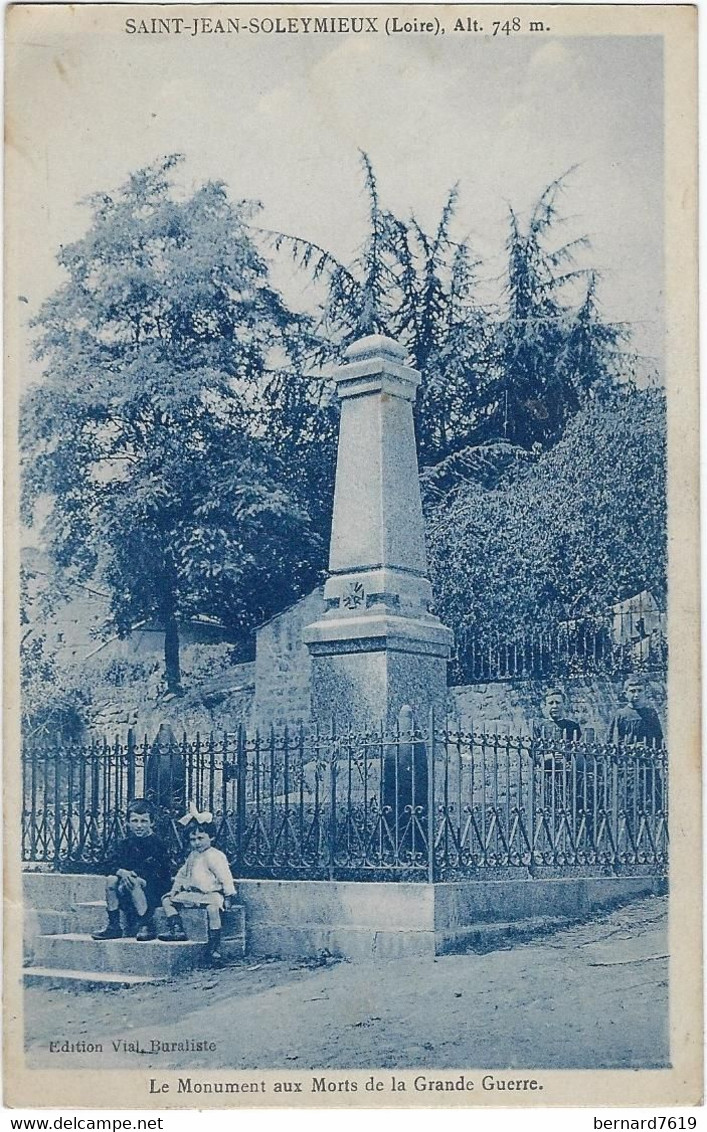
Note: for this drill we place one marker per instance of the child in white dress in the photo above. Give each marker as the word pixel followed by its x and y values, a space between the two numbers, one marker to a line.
pixel 205 880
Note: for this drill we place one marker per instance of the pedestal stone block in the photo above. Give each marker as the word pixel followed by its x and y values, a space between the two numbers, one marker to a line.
pixel 370 687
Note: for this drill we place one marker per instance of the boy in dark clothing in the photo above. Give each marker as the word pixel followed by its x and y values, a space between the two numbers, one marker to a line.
pixel 556 723
pixel 138 875
pixel 563 779
pixel 637 722
pixel 636 726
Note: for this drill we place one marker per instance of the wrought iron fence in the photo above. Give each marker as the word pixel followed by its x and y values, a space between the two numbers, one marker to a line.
pixel 357 806
pixel 614 644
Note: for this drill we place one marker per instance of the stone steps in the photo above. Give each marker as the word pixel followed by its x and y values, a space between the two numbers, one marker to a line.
pixel 62 911
pixel 51 921
pixel 88 916
pixel 57 978
pixel 76 952
pixel 62 890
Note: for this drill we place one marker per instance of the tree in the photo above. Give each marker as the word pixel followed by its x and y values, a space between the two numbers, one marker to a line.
pixel 360 298
pixel 144 433
pixel 211 530
pixel 448 333
pixel 552 354
pixel 420 290
pixel 568 533
pixel 300 417
pixel 493 376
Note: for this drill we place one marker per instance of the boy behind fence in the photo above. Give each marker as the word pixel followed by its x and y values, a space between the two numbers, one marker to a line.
pixel 138 875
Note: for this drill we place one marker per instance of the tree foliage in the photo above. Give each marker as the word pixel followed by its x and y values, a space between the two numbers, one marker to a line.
pixel 145 432
pixel 553 355
pixel 183 436
pixel 419 289
pixel 577 529
pixel 53 704
pixel 510 372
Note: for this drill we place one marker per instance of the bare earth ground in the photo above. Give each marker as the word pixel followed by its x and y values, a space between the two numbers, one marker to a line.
pixel 594 995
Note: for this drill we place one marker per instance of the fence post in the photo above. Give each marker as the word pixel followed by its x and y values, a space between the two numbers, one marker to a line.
pixel 286 782
pixel 131 765
pixel 431 799
pixel 212 773
pixel 332 799
pixel 241 776
pixel 57 806
pixel 33 801
pixel 615 812
pixel 74 753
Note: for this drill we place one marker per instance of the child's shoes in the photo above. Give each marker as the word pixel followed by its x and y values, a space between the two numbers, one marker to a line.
pixel 112 930
pixel 130 922
pixel 146 930
pixel 174 932
pixel 213 950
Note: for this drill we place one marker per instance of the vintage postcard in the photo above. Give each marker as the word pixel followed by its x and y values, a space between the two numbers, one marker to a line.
pixel 352 730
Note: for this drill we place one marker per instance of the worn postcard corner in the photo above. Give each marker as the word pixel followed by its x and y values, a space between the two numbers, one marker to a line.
pixel 352 663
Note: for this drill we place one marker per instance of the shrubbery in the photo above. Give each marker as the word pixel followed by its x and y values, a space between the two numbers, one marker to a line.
pixel 579 528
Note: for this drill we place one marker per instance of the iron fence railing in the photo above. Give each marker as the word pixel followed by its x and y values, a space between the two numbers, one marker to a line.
pixel 613 644
pixel 430 804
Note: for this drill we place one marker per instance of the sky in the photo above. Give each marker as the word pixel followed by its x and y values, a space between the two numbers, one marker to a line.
pixel 281 119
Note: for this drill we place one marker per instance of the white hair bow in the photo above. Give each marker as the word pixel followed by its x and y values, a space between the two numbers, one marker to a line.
pixel 193 814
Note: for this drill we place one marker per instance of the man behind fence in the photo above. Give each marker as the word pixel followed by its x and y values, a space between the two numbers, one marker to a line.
pixel 641 788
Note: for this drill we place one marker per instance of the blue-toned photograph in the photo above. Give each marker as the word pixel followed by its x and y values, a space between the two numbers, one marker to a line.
pixel 344 596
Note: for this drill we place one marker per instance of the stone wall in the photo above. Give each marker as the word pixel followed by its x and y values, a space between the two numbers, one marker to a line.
pixel 215 703
pixel 283 670
pixel 283 665
pixel 513 706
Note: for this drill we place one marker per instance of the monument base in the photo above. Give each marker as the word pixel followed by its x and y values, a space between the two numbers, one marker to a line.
pixel 366 689
pixel 373 921
pixel 365 669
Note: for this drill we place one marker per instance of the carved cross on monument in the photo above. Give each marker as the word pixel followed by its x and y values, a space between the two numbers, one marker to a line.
pixel 377 646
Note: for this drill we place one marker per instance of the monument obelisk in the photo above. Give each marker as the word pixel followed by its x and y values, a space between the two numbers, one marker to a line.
pixel 377 646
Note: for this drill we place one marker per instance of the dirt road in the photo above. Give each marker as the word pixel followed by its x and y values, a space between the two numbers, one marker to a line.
pixel 595 995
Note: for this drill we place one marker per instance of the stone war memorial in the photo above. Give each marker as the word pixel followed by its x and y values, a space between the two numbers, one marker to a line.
pixel 378 647
pixel 377 822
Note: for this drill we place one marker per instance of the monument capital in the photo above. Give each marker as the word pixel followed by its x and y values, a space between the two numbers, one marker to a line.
pixel 374 346
pixel 376 364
